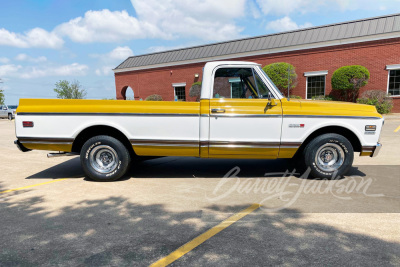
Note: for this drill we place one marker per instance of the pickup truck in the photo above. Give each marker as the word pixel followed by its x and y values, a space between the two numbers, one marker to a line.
pixel 7 111
pixel 251 120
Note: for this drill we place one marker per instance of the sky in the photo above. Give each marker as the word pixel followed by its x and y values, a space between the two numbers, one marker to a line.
pixel 44 41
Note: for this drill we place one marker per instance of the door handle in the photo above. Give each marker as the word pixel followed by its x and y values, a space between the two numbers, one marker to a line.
pixel 217 110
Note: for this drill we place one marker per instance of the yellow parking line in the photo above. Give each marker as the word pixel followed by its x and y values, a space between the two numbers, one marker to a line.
pixel 203 237
pixel 29 186
pixel 397 129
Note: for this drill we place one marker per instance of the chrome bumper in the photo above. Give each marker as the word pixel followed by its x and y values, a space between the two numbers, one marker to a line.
pixel 376 150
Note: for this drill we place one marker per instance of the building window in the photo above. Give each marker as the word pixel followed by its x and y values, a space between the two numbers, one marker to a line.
pixel 180 93
pixel 315 83
pixel 394 82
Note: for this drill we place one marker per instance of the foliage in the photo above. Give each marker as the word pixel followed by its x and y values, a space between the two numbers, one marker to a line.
pixel 2 98
pixel 323 97
pixel 349 80
pixel 296 97
pixel 278 73
pixel 195 90
pixel 154 97
pixel 377 98
pixel 67 90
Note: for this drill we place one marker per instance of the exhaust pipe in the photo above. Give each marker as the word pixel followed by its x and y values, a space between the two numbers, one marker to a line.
pixel 61 154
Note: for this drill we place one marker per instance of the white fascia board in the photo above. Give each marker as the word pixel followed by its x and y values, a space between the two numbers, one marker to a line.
pixel 393 67
pixel 178 84
pixel 316 73
pixel 268 51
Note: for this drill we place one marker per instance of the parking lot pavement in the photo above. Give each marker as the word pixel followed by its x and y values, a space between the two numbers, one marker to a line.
pixel 166 203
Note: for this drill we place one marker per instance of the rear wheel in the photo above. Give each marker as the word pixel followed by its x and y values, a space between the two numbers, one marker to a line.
pixel 329 156
pixel 104 158
pixel 9 116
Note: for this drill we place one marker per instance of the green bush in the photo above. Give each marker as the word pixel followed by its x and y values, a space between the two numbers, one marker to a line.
pixel 154 97
pixel 296 97
pixel 278 73
pixel 349 80
pixel 377 98
pixel 323 97
pixel 195 90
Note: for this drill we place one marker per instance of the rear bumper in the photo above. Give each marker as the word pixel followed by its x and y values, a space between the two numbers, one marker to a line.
pixel 371 151
pixel 21 146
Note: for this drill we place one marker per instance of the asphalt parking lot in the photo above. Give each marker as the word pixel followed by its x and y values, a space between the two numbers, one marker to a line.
pixel 197 212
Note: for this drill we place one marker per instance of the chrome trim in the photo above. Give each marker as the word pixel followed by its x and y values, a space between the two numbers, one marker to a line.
pixel 204 115
pixel 148 142
pixel 330 117
pixel 107 114
pixel 46 141
pixel 376 150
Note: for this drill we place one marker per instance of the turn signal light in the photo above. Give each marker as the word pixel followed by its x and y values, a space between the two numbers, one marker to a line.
pixel 27 123
pixel 370 127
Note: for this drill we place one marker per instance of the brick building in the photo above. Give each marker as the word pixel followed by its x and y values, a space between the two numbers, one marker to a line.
pixel 315 53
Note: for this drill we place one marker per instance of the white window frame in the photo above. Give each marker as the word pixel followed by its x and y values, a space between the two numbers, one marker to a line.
pixel 312 74
pixel 179 85
pixel 389 68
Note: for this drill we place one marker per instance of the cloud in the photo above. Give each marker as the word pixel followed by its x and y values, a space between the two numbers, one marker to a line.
pixel 25 57
pixel 107 26
pixel 118 53
pixel 36 37
pixel 285 24
pixel 104 71
pixel 18 71
pixel 4 60
pixel 9 70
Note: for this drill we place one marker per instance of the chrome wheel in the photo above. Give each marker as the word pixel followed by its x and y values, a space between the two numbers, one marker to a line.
pixel 329 157
pixel 104 159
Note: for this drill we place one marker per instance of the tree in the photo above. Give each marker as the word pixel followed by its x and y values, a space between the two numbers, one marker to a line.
pixel 278 73
pixel 2 98
pixel 349 80
pixel 195 90
pixel 65 90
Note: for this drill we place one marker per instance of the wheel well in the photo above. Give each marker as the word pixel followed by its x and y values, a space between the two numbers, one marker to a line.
pixel 353 139
pixel 100 130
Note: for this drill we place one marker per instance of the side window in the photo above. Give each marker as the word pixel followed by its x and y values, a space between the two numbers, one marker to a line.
pixel 238 83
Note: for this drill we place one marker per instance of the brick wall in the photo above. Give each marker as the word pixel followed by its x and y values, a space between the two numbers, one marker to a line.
pixel 373 55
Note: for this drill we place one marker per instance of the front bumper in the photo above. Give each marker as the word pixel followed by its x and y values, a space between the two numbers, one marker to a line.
pixel 21 146
pixel 371 151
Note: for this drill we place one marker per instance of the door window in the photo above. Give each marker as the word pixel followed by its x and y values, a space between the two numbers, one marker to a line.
pixel 238 83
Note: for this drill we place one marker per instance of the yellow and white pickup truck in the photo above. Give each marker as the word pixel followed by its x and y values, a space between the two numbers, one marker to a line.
pixel 252 120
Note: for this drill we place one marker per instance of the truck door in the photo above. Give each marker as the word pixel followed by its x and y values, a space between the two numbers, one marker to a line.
pixel 245 117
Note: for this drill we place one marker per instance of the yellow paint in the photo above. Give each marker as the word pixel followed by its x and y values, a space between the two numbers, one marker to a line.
pixel 397 129
pixel 203 237
pixel 327 108
pixel 287 153
pixel 30 186
pixel 50 147
pixel 106 106
pixel 364 154
pixel 243 152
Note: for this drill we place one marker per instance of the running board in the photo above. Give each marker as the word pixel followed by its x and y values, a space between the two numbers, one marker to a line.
pixel 61 154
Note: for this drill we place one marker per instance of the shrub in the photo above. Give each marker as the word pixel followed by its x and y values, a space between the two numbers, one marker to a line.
pixel 154 97
pixel 323 97
pixel 295 97
pixel 349 80
pixel 195 90
pixel 278 73
pixel 377 98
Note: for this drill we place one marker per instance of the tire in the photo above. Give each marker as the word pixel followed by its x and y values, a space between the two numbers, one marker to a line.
pixel 104 158
pixel 10 116
pixel 328 156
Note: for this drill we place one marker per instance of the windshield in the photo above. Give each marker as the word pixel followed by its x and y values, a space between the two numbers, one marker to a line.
pixel 12 107
pixel 269 80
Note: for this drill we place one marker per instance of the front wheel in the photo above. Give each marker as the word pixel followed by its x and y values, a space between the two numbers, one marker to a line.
pixel 104 158
pixel 329 156
pixel 10 116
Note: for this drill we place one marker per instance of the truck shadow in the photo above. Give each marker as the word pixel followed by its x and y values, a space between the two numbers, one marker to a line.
pixel 184 167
